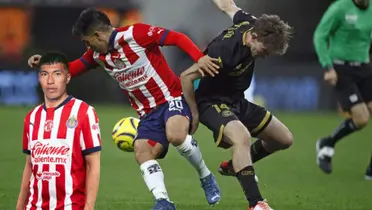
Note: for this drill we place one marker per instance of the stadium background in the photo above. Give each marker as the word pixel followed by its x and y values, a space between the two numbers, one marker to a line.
pixel 291 83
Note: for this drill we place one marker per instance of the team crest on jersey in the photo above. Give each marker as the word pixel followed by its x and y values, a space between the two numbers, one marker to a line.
pixel 72 122
pixel 119 63
pixel 48 125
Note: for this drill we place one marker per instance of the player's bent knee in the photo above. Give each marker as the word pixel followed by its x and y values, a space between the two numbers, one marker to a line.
pixel 237 134
pixel 287 141
pixel 176 138
pixel 177 129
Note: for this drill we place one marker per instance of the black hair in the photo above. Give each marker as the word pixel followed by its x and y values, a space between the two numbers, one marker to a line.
pixel 90 20
pixel 53 58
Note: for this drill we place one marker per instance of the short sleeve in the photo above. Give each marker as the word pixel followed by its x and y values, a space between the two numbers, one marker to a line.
pixel 147 35
pixel 241 16
pixel 26 140
pixel 90 138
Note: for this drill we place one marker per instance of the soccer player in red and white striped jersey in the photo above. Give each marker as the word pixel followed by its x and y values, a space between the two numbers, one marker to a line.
pixel 61 138
pixel 131 56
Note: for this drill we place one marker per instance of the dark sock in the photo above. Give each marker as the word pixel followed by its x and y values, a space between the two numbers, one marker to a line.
pixel 345 128
pixel 258 152
pixel 249 185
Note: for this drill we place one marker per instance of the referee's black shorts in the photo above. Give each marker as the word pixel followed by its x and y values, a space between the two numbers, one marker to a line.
pixel 354 84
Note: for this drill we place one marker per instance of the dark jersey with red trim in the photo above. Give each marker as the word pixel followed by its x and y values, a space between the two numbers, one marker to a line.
pixel 236 61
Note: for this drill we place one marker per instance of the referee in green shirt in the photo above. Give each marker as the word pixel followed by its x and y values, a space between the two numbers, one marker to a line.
pixel 342 41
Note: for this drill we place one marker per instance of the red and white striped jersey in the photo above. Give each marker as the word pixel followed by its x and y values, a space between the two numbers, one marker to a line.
pixel 57 140
pixel 139 66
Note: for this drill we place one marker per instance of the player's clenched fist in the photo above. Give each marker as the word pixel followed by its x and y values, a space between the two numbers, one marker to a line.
pixel 34 60
pixel 208 65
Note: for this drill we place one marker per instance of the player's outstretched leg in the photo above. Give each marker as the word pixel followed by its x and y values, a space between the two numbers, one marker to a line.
pixel 273 137
pixel 325 146
pixel 152 173
pixel 177 127
pixel 236 134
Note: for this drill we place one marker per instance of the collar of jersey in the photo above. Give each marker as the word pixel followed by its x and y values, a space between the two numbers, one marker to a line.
pixel 112 39
pixel 244 37
pixel 60 105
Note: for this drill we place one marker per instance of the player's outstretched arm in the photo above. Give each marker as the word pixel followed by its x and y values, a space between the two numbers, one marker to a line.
pixel 23 194
pixel 148 36
pixel 76 67
pixel 227 6
pixel 187 81
pixel 206 64
pixel 328 24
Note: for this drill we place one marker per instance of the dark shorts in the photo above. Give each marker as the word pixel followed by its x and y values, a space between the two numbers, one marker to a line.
pixel 215 114
pixel 354 85
pixel 152 126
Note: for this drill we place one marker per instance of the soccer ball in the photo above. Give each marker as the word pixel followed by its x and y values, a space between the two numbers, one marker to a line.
pixel 124 133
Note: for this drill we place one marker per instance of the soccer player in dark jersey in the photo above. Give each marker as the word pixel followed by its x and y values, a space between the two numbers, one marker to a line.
pixel 219 101
pixel 342 41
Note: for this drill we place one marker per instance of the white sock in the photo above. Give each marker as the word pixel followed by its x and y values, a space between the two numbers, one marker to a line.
pixel 154 179
pixel 190 150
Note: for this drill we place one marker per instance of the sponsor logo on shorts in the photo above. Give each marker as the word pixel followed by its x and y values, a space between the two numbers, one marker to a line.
pixel 353 98
pixel 227 113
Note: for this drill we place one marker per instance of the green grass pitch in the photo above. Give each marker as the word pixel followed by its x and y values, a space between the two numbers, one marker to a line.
pixel 290 180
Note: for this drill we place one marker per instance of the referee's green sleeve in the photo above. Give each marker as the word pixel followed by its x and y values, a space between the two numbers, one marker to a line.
pixel 327 25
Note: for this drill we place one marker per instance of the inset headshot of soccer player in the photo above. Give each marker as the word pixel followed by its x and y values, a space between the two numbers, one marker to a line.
pixel 94 28
pixel 269 36
pixel 362 4
pixel 54 77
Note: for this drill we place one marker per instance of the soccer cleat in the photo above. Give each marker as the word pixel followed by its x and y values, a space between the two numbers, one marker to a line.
pixel 369 173
pixel 211 189
pixel 163 204
pixel 226 169
pixel 261 205
pixel 324 156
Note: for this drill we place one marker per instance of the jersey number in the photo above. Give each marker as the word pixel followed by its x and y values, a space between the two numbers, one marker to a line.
pixel 220 107
pixel 175 105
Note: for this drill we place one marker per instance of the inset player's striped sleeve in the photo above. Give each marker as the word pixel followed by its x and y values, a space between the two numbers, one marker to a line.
pixel 90 138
